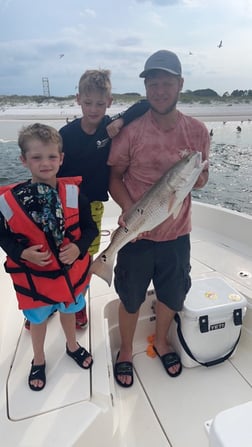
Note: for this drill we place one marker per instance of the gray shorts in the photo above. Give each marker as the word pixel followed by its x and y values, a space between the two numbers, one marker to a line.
pixel 167 264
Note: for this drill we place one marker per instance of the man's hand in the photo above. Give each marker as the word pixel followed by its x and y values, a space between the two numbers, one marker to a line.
pixel 114 127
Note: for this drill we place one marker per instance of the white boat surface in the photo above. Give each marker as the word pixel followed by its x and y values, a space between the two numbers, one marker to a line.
pixel 79 408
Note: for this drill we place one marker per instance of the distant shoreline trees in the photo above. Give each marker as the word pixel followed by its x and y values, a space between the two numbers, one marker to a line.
pixel 203 96
pixel 211 95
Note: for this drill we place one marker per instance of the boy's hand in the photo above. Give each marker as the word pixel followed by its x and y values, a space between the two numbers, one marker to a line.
pixel 36 256
pixel 114 128
pixel 69 253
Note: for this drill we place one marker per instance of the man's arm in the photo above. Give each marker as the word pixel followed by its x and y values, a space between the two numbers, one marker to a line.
pixel 117 188
pixel 124 118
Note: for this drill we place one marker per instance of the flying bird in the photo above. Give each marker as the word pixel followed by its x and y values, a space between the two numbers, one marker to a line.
pixel 61 55
pixel 190 53
pixel 220 44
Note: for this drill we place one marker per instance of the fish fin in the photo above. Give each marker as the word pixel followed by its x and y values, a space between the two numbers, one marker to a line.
pixel 177 211
pixel 171 202
pixel 102 266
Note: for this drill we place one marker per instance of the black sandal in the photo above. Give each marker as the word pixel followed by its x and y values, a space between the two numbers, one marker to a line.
pixel 168 360
pixel 79 356
pixel 123 369
pixel 37 373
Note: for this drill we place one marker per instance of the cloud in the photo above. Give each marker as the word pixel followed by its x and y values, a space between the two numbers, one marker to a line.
pixel 88 12
pixel 161 2
pixel 104 36
pixel 128 41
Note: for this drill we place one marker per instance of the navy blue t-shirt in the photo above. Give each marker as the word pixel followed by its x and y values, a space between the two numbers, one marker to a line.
pixel 86 155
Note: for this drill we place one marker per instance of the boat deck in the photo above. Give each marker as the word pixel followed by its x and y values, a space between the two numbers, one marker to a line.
pixel 157 410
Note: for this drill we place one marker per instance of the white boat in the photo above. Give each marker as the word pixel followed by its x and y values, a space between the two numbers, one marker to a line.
pixel 81 408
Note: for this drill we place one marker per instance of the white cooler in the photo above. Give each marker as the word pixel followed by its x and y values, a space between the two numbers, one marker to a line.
pixel 232 427
pixel 208 328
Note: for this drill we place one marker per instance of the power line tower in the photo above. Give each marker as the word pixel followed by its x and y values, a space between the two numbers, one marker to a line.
pixel 46 88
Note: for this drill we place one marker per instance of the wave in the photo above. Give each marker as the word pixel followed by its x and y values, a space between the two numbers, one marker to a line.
pixel 3 140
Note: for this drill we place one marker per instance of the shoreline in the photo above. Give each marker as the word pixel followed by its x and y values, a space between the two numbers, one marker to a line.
pixel 199 116
pixel 57 111
pixel 210 112
pixel 12 119
pixel 205 115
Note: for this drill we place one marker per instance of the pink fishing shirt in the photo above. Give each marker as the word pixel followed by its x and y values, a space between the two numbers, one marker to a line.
pixel 146 152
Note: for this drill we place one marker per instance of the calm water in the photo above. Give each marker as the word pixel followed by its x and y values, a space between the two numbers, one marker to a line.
pixel 230 180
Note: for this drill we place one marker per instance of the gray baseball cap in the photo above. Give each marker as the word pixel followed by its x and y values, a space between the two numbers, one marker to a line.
pixel 162 60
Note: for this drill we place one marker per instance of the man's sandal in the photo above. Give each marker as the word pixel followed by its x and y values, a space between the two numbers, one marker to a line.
pixel 168 360
pixel 123 369
pixel 79 356
pixel 37 373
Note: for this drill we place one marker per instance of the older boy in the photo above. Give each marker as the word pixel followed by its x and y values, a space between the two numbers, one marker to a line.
pixel 86 145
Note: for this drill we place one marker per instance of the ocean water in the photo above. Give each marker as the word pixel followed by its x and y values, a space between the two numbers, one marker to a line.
pixel 230 178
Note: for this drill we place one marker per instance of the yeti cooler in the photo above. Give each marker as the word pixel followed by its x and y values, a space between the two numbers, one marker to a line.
pixel 207 330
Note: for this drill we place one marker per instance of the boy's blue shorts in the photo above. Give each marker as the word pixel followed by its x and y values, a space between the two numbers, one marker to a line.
pixel 40 314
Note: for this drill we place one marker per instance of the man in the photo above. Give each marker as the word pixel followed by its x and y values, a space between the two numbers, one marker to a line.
pixel 139 156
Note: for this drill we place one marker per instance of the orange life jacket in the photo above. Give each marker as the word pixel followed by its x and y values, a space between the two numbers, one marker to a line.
pixel 37 286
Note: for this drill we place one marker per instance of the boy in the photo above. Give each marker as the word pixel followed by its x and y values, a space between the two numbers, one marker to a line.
pixel 46 228
pixel 86 145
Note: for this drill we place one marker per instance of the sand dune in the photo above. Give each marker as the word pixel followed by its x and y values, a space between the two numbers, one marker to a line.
pixel 70 110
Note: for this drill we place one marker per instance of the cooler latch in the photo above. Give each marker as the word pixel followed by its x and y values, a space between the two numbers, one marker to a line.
pixel 237 316
pixel 203 323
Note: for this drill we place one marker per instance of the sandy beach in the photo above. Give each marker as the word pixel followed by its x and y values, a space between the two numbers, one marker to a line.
pixel 57 114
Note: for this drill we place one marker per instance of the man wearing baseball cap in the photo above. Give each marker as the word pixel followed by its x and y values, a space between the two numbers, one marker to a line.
pixel 139 156
pixel 162 60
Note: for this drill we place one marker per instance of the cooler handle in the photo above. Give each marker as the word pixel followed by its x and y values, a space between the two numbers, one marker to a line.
pixel 187 349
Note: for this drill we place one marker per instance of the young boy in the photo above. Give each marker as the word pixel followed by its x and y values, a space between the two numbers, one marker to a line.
pixel 86 145
pixel 46 228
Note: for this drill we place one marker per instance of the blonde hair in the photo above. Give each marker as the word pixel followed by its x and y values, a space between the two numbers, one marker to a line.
pixel 42 132
pixel 95 80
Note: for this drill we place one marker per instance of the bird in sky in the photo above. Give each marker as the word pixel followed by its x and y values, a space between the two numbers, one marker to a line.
pixel 220 44
pixel 190 53
pixel 61 55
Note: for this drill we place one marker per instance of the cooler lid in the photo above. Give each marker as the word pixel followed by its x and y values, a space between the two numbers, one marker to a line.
pixel 232 427
pixel 208 293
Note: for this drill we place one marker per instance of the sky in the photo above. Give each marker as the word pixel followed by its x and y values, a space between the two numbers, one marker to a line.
pixel 60 39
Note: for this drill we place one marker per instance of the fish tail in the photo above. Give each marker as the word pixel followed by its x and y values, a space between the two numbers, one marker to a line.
pixel 102 266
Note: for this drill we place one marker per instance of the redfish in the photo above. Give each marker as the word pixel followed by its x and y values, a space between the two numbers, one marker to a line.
pixel 163 199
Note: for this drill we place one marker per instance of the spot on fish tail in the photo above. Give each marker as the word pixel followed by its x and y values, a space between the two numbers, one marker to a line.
pixel 140 210
pixel 104 258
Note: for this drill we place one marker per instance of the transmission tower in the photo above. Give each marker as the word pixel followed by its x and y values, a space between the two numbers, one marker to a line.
pixel 46 88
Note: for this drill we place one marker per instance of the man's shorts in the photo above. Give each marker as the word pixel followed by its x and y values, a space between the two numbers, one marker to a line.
pixel 97 209
pixel 166 263
pixel 40 314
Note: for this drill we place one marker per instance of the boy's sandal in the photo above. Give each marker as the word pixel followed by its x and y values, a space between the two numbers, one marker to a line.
pixel 80 355
pixel 37 373
pixel 168 360
pixel 123 369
